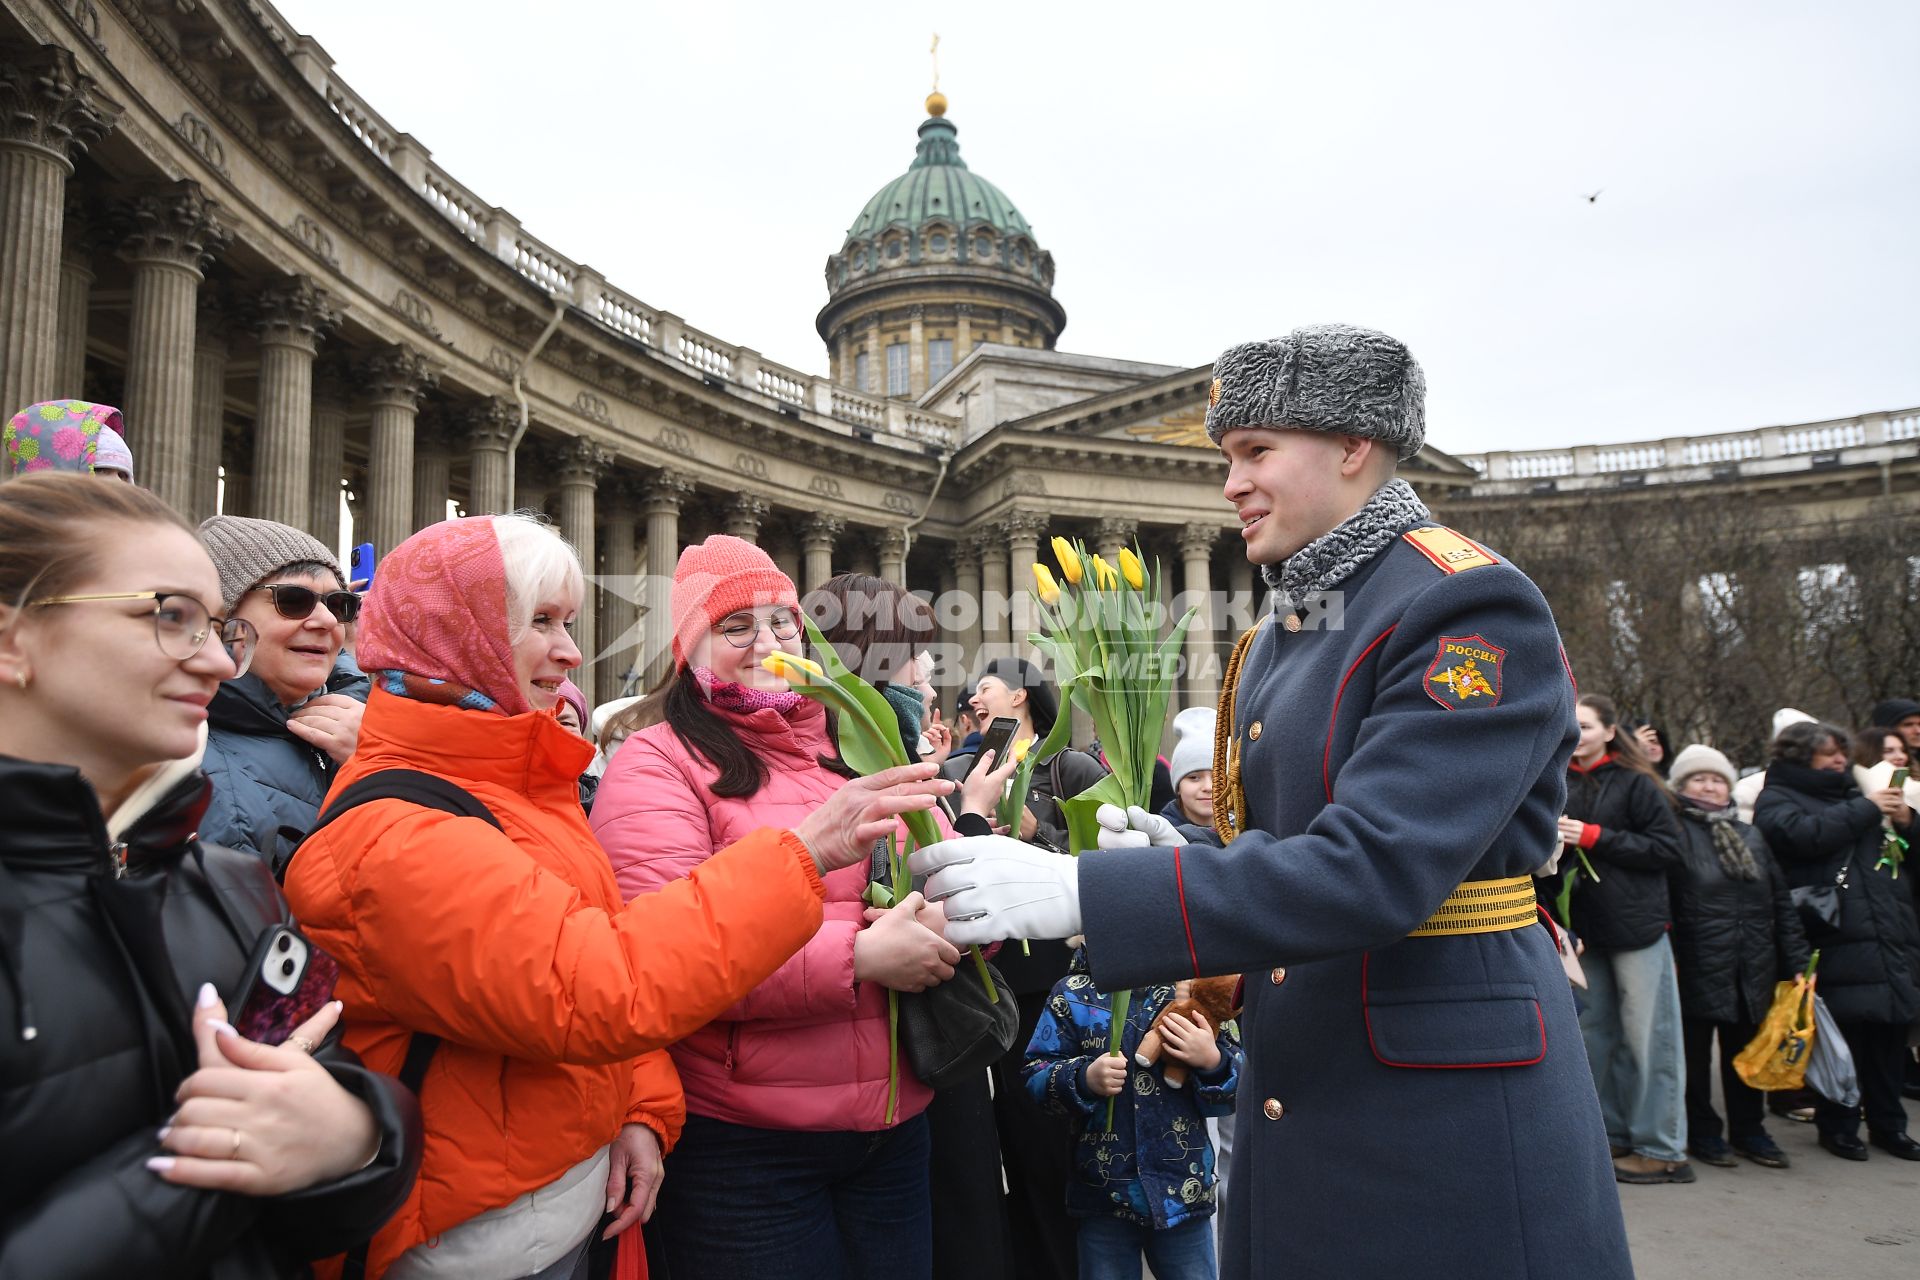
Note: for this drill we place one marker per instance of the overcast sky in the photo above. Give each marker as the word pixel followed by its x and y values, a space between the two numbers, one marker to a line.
pixel 1209 174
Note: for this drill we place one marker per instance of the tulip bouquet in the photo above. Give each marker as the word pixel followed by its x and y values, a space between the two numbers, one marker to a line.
pixel 1103 638
pixel 867 735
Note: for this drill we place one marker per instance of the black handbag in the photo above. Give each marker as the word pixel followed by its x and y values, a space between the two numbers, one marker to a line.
pixel 1819 907
pixel 953 1031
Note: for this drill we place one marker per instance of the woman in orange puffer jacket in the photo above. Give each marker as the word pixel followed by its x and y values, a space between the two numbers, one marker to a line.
pixel 549 1101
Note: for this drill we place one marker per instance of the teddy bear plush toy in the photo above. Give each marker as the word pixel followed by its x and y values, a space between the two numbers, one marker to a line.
pixel 1209 1001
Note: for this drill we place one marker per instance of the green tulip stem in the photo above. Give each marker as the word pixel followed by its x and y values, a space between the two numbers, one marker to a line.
pixel 1120 1001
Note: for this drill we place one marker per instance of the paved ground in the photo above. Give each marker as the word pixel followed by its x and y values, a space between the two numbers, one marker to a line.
pixel 1825 1218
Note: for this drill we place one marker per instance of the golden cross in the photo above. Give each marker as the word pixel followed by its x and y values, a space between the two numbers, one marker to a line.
pixel 935 51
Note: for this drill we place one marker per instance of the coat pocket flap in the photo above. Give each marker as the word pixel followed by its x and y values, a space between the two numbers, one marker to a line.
pixel 1469 1025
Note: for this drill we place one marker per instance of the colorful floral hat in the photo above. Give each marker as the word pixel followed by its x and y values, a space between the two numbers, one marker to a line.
pixel 57 435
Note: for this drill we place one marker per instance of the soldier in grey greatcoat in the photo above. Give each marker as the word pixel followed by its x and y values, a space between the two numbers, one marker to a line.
pixel 1391 767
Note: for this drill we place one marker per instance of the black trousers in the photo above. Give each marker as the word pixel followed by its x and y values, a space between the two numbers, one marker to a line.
pixel 1746 1106
pixel 969 1210
pixel 1879 1057
pixel 1037 1148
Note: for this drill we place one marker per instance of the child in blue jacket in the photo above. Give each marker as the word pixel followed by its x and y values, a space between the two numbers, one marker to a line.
pixel 1145 1187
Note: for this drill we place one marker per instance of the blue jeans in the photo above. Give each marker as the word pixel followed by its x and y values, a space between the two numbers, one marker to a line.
pixel 1111 1248
pixel 741 1203
pixel 1631 1024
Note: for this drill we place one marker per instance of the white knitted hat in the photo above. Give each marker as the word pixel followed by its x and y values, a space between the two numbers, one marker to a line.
pixel 1698 758
pixel 1193 749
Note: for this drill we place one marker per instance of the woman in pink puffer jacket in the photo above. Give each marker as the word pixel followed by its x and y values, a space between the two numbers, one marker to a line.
pixel 787 1165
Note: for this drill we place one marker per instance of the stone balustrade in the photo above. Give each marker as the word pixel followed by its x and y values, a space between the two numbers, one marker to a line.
pixel 500 234
pixel 1869 438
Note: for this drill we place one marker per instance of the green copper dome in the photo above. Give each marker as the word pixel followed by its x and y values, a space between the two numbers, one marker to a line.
pixel 938 186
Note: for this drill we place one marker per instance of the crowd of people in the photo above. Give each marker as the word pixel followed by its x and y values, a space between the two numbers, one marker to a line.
pixel 612 987
pixel 1688 891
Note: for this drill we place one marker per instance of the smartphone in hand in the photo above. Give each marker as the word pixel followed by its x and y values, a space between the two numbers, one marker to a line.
pixel 997 738
pixel 288 981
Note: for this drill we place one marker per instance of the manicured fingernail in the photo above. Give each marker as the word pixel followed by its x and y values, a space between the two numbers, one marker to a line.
pixel 160 1164
pixel 164 1132
pixel 208 996
pixel 223 1028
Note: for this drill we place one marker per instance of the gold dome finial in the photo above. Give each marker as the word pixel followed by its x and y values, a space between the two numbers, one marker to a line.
pixel 936 101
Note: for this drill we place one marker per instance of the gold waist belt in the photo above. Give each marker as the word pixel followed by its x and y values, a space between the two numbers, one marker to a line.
pixel 1483 906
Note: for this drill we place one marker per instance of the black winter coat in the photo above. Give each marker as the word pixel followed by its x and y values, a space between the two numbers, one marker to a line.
pixel 1627 908
pixel 105 970
pixel 1732 938
pixel 1819 824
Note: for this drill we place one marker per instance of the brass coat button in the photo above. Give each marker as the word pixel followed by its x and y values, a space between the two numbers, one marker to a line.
pixel 1253 732
pixel 1291 622
pixel 1272 1109
pixel 1277 977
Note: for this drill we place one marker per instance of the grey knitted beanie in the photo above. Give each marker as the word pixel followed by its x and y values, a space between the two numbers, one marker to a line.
pixel 247 551
pixel 1322 377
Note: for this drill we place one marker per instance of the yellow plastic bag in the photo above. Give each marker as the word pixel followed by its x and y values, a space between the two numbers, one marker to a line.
pixel 1777 1057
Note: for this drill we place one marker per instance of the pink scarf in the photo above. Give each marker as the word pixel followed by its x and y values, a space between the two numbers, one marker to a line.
pixel 728 696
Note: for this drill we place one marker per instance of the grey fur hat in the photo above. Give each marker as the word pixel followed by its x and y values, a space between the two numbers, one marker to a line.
pixel 1322 377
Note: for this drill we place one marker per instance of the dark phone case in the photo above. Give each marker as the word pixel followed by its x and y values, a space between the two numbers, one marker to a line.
pixel 268 1017
pixel 988 742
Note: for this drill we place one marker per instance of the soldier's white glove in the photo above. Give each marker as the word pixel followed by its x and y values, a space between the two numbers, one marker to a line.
pixel 1135 828
pixel 996 887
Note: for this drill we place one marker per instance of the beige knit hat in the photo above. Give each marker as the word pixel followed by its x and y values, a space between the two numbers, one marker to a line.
pixel 247 552
pixel 1697 758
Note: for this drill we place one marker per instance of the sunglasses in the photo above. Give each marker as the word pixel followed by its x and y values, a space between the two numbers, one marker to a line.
pixel 295 603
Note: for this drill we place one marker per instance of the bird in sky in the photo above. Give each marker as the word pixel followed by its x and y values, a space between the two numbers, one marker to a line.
pixel 1594 198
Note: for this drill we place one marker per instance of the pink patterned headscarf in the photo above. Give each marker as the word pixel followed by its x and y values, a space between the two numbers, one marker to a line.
pixel 58 435
pixel 435 624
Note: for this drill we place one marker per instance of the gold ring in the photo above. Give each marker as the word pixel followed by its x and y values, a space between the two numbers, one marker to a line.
pixel 301 1043
pixel 234 1154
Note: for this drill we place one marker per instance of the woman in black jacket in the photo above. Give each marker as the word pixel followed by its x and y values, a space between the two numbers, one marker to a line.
pixel 1827 833
pixel 129 1105
pixel 1735 933
pixel 1620 824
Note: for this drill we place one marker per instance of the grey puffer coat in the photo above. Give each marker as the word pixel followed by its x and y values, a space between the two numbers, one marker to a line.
pixel 267 784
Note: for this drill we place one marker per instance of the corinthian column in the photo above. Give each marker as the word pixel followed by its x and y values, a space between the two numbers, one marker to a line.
pixel 290 317
pixel 210 328
pixel 892 545
pixel 433 445
pixel 49 113
pixel 995 609
pixel 743 516
pixel 1023 548
pixel 580 465
pixel 817 534
pixel 664 492
pixel 1196 554
pixel 966 585
pixel 490 428
pixel 395 378
pixel 329 452
pixel 76 288
pixel 618 595
pixel 168 236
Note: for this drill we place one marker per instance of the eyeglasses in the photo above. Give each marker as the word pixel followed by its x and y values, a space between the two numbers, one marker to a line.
pixel 181 625
pixel 741 630
pixel 295 603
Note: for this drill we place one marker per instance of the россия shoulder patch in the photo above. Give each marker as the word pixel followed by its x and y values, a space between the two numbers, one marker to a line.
pixel 1466 672
pixel 1450 552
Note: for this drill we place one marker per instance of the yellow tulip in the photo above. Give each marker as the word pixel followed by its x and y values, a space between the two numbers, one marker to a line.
pixel 1021 748
pixel 1131 570
pixel 1103 574
pixel 791 668
pixel 1048 589
pixel 1069 562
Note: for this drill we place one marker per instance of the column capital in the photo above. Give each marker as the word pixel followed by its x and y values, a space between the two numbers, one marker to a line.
pixel 176 225
pixel 891 543
pixel 665 491
pixel 963 308
pixel 47 104
pixel 965 556
pixel 580 461
pixel 819 531
pixel 437 433
pixel 294 312
pixel 490 423
pixel 747 508
pixel 1121 529
pixel 985 544
pixel 1020 526
pixel 397 374
pixel 1198 540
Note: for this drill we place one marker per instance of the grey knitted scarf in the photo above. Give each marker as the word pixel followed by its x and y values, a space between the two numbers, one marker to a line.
pixel 1336 555
pixel 1736 859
